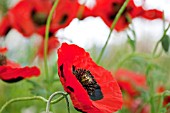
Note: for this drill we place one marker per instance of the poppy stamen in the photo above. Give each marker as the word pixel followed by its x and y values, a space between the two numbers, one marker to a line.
pixel 39 18
pixel 89 83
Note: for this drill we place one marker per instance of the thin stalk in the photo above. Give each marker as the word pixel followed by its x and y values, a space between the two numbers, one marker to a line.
pixel 151 87
pixel 22 99
pixel 64 95
pixel 46 39
pixel 111 29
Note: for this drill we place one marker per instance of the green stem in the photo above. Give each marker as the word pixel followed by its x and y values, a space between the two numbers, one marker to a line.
pixel 46 39
pixel 156 47
pixel 22 99
pixel 64 95
pixel 151 87
pixel 160 103
pixel 111 29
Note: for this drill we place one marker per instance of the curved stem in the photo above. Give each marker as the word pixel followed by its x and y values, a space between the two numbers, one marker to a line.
pixel 64 95
pixel 156 47
pixel 112 27
pixel 22 99
pixel 46 38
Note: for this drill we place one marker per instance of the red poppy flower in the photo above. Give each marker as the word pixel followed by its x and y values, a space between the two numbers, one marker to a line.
pixel 27 16
pixel 107 10
pixel 92 88
pixel 13 72
pixel 130 81
pixel 64 13
pixel 53 43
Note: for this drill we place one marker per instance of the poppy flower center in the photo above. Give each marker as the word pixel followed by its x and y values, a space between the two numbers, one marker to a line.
pixel 39 18
pixel 115 8
pixel 89 83
pixel 3 60
pixel 63 19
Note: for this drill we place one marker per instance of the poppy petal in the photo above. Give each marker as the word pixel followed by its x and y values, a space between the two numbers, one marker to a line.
pixel 5 26
pixel 10 74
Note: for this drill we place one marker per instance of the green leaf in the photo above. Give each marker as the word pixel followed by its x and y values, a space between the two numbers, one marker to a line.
pixel 132 43
pixel 165 43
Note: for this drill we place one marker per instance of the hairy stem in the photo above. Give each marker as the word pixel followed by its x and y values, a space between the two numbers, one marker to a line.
pixel 64 95
pixel 46 39
pixel 22 99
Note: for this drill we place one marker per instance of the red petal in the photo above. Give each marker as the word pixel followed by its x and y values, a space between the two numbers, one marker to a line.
pixel 8 73
pixel 4 26
pixel 20 18
pixel 152 14
pixel 3 50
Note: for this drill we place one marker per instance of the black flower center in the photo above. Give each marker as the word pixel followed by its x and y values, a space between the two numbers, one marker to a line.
pixel 39 18
pixel 13 80
pixel 63 19
pixel 89 83
pixel 3 60
pixel 115 8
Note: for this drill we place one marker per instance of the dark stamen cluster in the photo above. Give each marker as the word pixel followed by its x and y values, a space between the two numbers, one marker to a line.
pixel 88 82
pixel 3 60
pixel 39 18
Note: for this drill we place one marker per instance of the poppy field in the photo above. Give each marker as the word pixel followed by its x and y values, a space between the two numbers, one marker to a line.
pixel 43 70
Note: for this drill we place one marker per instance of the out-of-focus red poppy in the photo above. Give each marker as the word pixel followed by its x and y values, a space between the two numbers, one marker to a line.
pixel 130 82
pixel 107 10
pixel 26 16
pixel 13 72
pixel 92 88
pixel 166 101
pixel 64 13
pixel 30 16
pixel 53 43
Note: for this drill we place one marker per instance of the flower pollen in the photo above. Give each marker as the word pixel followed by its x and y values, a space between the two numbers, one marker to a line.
pixel 89 83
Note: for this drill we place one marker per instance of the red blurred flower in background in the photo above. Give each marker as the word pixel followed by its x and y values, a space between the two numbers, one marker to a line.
pixel 13 72
pixel 30 16
pixel 64 13
pixel 27 16
pixel 131 84
pixel 130 81
pixel 166 100
pixel 107 10
pixel 91 87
